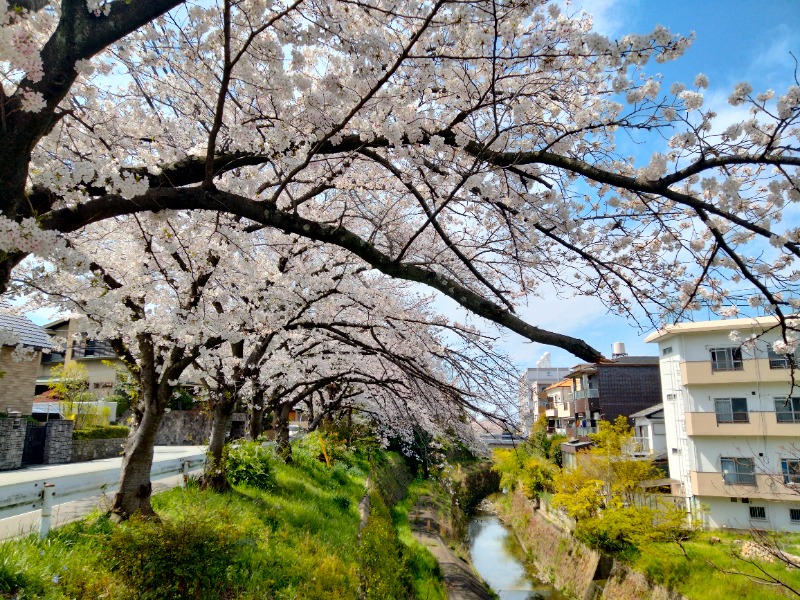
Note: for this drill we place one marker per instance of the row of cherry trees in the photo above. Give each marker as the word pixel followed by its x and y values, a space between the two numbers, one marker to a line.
pixel 465 145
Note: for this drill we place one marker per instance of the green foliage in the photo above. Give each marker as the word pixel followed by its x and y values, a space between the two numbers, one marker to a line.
pixel 604 494
pixel 611 436
pixel 192 556
pixel 475 483
pixel 250 463
pixel 383 569
pixel 71 385
pixel 126 388
pixel 521 467
pixel 101 432
pixel 182 400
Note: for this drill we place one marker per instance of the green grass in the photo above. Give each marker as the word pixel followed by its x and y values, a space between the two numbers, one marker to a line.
pixel 425 572
pixel 706 571
pixel 298 539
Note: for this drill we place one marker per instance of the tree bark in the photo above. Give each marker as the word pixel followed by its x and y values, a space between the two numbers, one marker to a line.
pixel 257 411
pixel 282 432
pixel 214 477
pixel 135 488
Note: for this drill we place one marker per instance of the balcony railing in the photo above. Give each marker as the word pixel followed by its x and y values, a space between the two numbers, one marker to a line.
pixel 93 349
pixel 637 446
pixel 590 393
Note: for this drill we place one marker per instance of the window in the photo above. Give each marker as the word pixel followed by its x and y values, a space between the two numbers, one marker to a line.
pixel 791 471
pixel 780 361
pixel 731 410
pixel 738 471
pixel 758 512
pixel 726 359
pixel 667 350
pixel 794 515
pixel 787 410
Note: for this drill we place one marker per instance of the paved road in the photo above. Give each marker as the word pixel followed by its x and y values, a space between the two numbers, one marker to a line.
pixel 80 487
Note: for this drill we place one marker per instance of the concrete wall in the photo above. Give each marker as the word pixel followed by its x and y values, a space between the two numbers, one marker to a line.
pixel 83 450
pixel 18 385
pixel 12 442
pixel 722 513
pixel 58 443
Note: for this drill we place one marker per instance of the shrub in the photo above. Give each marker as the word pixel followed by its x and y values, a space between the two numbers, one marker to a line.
pixel 189 557
pixel 250 463
pixel 101 432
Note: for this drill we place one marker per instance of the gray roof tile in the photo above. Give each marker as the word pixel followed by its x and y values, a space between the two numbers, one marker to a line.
pixel 30 334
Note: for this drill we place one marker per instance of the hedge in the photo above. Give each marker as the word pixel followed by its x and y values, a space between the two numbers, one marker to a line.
pixel 101 432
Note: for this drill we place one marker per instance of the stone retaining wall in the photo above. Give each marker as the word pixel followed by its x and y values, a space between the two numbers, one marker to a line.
pixel 190 427
pixel 83 450
pixel 12 442
pixel 570 565
pixel 58 443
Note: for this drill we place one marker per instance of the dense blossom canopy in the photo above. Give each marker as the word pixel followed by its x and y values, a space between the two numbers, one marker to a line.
pixel 466 145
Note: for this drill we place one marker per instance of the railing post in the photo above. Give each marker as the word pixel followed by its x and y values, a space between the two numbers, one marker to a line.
pixel 185 471
pixel 48 492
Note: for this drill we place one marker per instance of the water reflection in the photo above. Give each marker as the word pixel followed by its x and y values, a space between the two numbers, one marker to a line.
pixel 494 553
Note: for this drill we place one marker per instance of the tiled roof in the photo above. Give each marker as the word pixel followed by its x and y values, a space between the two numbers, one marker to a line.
pixel 30 334
pixel 648 411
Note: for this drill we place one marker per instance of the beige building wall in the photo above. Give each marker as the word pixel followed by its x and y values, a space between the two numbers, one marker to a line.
pixel 18 384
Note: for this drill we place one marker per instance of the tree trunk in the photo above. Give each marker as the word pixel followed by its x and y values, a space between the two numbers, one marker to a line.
pixel 214 477
pixel 282 433
pixel 257 415
pixel 135 488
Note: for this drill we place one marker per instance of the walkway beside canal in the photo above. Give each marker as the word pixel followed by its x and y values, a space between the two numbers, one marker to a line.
pixel 460 580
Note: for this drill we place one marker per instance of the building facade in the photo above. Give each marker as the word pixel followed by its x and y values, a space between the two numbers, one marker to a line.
pixel 732 423
pixel 19 369
pixel 72 345
pixel 532 396
pixel 606 390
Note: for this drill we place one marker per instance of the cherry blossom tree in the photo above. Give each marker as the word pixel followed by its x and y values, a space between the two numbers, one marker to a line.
pixel 469 146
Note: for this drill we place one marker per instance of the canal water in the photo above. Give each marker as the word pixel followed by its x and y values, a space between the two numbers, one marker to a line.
pixel 497 558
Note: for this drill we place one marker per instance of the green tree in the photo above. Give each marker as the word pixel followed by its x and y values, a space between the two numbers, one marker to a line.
pixel 70 382
pixel 604 494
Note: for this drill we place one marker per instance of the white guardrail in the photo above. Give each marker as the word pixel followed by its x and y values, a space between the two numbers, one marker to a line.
pixel 23 497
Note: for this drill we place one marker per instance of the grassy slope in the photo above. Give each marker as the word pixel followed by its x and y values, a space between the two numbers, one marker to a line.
pixel 699 574
pixel 299 540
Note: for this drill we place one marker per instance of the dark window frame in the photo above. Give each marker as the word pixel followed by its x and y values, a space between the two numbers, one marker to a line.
pixel 728 358
pixel 758 513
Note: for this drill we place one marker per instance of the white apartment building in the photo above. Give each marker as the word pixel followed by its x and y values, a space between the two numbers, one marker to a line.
pixel 559 408
pixel 732 431
pixel 532 396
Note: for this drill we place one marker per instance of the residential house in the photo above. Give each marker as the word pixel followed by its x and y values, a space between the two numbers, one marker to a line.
pixel 606 390
pixel 732 423
pixel 559 407
pixel 532 397
pixel 73 345
pixel 18 381
pixel 649 432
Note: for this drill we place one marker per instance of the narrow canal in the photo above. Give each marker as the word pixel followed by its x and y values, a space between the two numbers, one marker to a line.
pixel 497 557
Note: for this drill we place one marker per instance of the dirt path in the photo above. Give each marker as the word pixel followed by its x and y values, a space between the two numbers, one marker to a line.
pixel 460 580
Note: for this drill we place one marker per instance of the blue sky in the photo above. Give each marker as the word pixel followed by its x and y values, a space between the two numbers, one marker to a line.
pixel 735 41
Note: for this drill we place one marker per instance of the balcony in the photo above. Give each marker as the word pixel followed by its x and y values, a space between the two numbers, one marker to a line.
pixel 753 369
pixel 550 412
pixel 637 446
pixel 767 487
pixel 590 393
pixel 757 424
pixel 93 349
